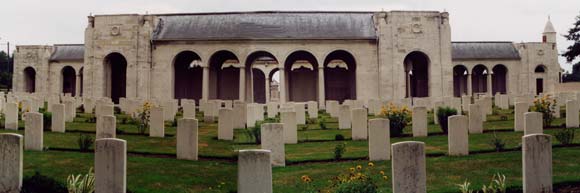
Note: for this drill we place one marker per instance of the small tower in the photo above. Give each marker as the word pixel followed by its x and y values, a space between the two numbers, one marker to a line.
pixel 549 35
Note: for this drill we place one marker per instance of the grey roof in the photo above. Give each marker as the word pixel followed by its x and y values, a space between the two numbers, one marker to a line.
pixel 266 25
pixel 484 50
pixel 67 52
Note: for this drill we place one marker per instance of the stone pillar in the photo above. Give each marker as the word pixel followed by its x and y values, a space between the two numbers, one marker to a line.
pixel 272 135
pixel 282 85
pixel 379 139
pixel 359 124
pixel 533 123
pixel 300 113
pixel 187 139
pixel 475 121
pixel 458 137
pixel 288 118
pixel 110 166
pixel 254 171
pixel 537 163
pixel 156 122
pixel 312 110
pixel 344 121
pixel 571 114
pixel 11 162
pixel 321 91
pixel 78 86
pixel 520 109
pixel 11 116
pixel 242 83
pixel 58 118
pixel 419 120
pixel 106 126
pixel 268 90
pixel 469 86
pixel 408 167
pixel 489 82
pixel 33 131
pixel 205 83
pixel 226 124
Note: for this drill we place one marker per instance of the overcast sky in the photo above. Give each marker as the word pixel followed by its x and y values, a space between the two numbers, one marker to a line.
pixel 63 21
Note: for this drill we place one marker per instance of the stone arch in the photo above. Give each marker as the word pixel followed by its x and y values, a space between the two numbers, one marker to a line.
pixel 340 76
pixel 187 76
pixel 224 75
pixel 68 80
pixel 499 79
pixel 540 69
pixel 417 74
pixel 29 79
pixel 479 78
pixel 460 75
pixel 301 73
pixel 258 64
pixel 540 72
pixel 115 76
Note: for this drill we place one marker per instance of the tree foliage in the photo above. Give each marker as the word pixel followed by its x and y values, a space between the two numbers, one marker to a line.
pixel 5 70
pixel 573 51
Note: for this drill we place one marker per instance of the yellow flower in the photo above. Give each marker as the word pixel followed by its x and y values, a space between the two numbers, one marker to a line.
pixel 359 167
pixel 351 170
pixel 382 172
pixel 371 164
pixel 385 178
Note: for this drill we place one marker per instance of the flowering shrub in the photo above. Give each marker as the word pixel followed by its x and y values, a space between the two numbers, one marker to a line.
pixel 547 106
pixel 144 114
pixel 398 117
pixel 357 179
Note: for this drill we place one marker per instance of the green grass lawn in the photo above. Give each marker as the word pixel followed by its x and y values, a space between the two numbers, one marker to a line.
pixel 153 168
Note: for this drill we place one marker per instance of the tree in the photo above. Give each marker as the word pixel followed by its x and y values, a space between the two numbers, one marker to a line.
pixel 5 66
pixel 573 51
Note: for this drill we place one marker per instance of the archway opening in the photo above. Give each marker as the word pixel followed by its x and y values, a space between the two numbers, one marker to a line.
pixel 460 75
pixel 81 78
pixel 417 74
pixel 540 71
pixel 479 79
pixel 115 66
pixel 301 68
pixel 188 76
pixel 29 80
pixel 224 76
pixel 340 76
pixel 259 86
pixel 69 80
pixel 274 85
pixel 260 62
pixel 499 79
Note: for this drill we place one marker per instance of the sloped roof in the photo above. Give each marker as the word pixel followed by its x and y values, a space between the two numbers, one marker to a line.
pixel 266 25
pixel 67 52
pixel 484 50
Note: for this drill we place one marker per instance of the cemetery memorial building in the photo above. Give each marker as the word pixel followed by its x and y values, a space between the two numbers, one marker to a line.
pixel 319 56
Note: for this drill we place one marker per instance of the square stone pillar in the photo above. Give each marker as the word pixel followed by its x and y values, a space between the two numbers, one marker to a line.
pixel 321 87
pixel 242 83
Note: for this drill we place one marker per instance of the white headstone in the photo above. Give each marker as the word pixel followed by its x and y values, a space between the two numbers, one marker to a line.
pixel 419 120
pixel 254 171
pixel 106 126
pixel 288 118
pixel 110 165
pixel 537 163
pixel 33 131
pixel 11 116
pixel 379 140
pixel 359 124
pixel 475 122
pixel 300 113
pixel 272 135
pixel 226 124
pixel 520 109
pixel 533 123
pixel 572 114
pixel 344 121
pixel 408 167
pixel 58 118
pixel 458 137
pixel 11 162
pixel 156 122
pixel 312 109
pixel 187 139
pixel 272 109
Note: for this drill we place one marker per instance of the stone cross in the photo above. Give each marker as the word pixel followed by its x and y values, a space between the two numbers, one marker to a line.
pixel 254 171
pixel 379 140
pixel 58 118
pixel 110 165
pixel 156 122
pixel 187 139
pixel 359 124
pixel 11 162
pixel 106 126
pixel 33 131
pixel 272 135
pixel 288 118
pixel 226 124
pixel 419 120
pixel 537 163
pixel 458 137
pixel 533 123
pixel 408 167
pixel 520 109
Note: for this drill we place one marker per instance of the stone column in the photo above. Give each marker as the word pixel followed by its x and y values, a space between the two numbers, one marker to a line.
pixel 321 87
pixel 78 86
pixel 226 125
pixel 288 118
pixel 520 109
pixel 533 123
pixel 469 86
pixel 489 82
pixel 254 171
pixel 419 120
pixel 282 88
pixel 458 137
pixel 475 119
pixel 11 162
pixel 110 165
pixel 272 135
pixel 58 118
pixel 242 91
pixel 268 89
pixel 408 167
pixel 344 121
pixel 11 119
pixel 187 139
pixel 359 124
pixel 106 126
pixel 379 139
pixel 571 114
pixel 156 122
pixel 205 83
pixel 537 163
pixel 33 131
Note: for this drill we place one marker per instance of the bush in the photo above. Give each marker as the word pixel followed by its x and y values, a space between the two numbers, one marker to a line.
pixel 497 143
pixel 85 142
pixel 81 183
pixel 322 125
pixel 565 136
pixel 339 149
pixel 442 114
pixel 117 110
pixel 398 117
pixel 339 137
pixel 547 106
pixel 143 118
pixel 311 121
pixel 42 184
pixel 497 185
pixel 255 133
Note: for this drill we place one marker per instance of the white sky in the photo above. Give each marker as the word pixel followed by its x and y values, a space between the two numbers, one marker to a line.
pixel 63 21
